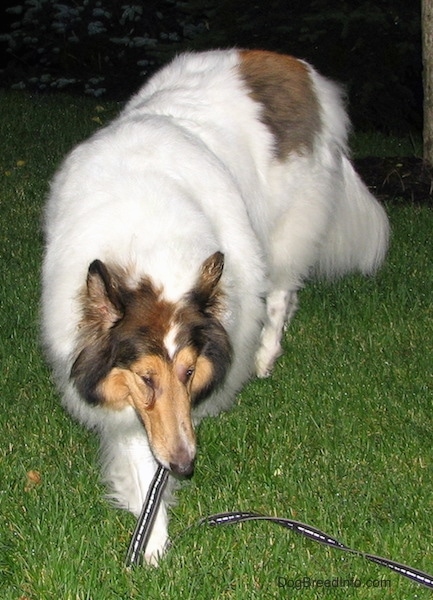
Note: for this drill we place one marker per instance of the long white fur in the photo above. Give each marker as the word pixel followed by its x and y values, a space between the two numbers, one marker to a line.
pixel 188 169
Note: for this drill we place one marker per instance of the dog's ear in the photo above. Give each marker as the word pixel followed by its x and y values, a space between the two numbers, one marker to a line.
pixel 210 274
pixel 206 294
pixel 102 307
pixel 103 297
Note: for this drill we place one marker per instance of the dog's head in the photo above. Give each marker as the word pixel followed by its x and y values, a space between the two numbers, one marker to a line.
pixel 136 348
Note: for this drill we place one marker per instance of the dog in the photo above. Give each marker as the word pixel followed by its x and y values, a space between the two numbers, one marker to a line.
pixel 176 240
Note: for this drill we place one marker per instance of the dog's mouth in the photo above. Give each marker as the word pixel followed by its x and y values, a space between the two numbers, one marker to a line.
pixel 171 437
pixel 184 470
pixel 178 456
pixel 172 441
pixel 180 461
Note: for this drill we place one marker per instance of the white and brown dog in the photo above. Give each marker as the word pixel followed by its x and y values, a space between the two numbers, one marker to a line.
pixel 176 241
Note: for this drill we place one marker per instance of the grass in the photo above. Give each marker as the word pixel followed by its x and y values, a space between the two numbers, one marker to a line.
pixel 376 144
pixel 339 437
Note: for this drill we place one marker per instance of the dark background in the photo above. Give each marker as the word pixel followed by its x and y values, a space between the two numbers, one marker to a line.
pixel 99 48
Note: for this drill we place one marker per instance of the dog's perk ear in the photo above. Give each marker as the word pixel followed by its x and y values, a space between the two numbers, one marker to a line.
pixel 210 273
pixel 206 294
pixel 103 297
pixel 102 307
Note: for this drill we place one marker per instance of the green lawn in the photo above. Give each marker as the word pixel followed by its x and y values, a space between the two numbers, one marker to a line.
pixel 339 437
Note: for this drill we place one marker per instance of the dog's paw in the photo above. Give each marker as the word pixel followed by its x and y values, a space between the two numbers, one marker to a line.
pixel 156 547
pixel 265 360
pixel 263 368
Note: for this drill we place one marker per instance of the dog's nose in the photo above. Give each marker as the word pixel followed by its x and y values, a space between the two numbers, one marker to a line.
pixel 183 469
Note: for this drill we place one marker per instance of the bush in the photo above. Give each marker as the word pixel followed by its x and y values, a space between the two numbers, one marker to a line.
pixel 103 47
pixel 98 47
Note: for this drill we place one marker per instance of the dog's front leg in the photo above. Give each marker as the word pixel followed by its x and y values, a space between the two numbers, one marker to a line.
pixel 158 540
pixel 128 467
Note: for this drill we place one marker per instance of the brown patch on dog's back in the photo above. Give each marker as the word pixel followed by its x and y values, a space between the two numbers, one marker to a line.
pixel 283 86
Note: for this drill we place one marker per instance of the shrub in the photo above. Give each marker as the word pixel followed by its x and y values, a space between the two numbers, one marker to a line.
pixel 105 47
pixel 96 46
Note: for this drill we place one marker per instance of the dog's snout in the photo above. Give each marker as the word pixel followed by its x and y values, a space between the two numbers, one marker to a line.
pixel 183 469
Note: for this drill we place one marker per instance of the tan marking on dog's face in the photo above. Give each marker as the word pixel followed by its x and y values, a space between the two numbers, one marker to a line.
pixel 160 391
pixel 115 389
pixel 290 108
pixel 203 374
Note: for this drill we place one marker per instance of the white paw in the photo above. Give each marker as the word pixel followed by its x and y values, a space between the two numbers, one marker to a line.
pixel 265 362
pixel 156 546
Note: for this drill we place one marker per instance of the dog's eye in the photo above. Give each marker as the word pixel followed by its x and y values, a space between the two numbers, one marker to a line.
pixel 189 373
pixel 147 379
pixel 186 374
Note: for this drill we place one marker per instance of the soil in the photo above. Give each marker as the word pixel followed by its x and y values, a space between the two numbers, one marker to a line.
pixel 398 179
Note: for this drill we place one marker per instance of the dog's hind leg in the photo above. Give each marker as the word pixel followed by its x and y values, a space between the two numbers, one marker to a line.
pixel 281 305
pixel 293 249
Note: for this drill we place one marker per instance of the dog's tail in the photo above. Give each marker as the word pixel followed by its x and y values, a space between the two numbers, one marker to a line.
pixel 358 237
